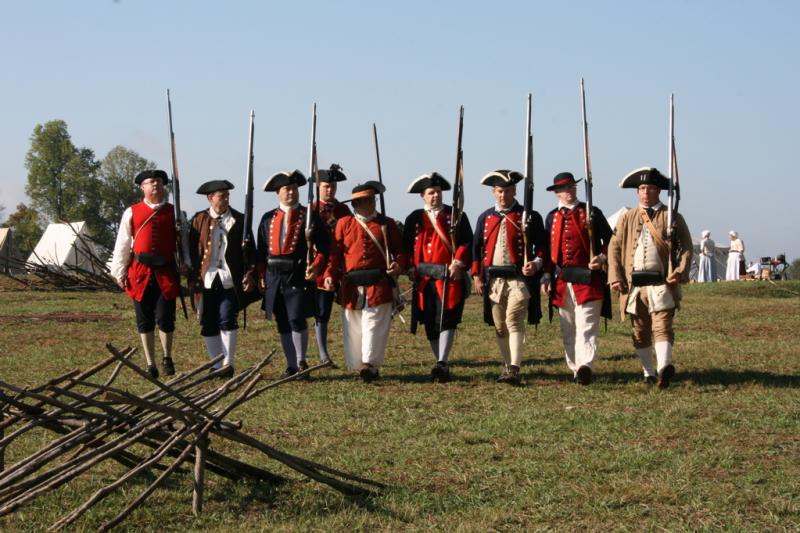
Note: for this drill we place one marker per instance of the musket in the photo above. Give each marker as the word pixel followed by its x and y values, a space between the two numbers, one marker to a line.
pixel 674 186
pixel 378 159
pixel 399 304
pixel 247 233
pixel 527 202
pixel 587 165
pixel 181 226
pixel 457 209
pixel 312 173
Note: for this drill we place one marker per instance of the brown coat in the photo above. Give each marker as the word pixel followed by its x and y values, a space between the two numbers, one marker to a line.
pixel 623 244
pixel 200 250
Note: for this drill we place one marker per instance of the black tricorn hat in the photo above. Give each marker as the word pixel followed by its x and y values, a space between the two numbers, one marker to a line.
pixel 563 179
pixel 366 189
pixel 286 177
pixel 502 178
pixel 333 174
pixel 644 176
pixel 213 186
pixel 147 174
pixel 434 179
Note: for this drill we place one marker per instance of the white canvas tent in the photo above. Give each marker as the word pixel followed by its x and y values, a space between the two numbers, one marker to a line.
pixel 613 218
pixel 63 245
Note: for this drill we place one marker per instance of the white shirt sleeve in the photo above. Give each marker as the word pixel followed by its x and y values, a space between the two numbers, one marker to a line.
pixel 122 248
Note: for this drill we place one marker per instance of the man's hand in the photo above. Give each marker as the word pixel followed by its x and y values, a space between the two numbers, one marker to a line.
pixel 123 283
pixel 530 268
pixel 456 271
pixel 620 286
pixel 545 285
pixel 597 262
pixel 394 269
pixel 673 278
pixel 248 284
pixel 479 284
pixel 311 273
pixel 327 283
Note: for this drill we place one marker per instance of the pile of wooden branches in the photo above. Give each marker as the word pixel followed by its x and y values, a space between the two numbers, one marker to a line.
pixel 158 431
pixel 62 277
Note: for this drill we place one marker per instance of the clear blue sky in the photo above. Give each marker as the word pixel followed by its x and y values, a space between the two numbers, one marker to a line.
pixel 103 67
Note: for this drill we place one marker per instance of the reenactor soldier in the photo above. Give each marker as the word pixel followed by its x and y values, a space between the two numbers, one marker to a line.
pixel 225 280
pixel 366 258
pixel 641 270
pixel 436 267
pixel 509 285
pixel 578 288
pixel 330 210
pixel 143 264
pixel 282 257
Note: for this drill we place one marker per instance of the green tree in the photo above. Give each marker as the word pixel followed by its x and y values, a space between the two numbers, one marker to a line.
pixel 63 182
pixel 27 227
pixel 118 191
pixel 793 271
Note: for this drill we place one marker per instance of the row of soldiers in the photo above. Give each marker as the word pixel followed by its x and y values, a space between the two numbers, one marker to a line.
pixel 298 268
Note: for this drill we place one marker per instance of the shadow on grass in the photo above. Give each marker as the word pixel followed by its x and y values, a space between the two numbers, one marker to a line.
pixel 718 376
pixel 619 357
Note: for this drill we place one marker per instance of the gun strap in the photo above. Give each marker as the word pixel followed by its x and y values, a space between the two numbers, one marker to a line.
pixel 148 219
pixel 445 239
pixel 660 244
pixel 372 236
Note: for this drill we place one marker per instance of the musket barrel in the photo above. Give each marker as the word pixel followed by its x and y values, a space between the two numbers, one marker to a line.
pixel 378 160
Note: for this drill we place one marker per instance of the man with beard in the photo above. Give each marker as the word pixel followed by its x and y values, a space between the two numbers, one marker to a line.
pixel 366 258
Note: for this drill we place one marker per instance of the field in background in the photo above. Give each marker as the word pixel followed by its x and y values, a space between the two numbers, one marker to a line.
pixel 718 450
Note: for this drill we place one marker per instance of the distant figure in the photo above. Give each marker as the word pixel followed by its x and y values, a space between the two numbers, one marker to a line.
pixel 708 266
pixel 735 257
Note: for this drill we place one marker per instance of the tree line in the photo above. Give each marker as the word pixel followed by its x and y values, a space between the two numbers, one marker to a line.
pixel 68 183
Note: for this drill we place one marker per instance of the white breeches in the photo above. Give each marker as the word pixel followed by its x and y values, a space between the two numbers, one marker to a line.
pixel 366 334
pixel 580 325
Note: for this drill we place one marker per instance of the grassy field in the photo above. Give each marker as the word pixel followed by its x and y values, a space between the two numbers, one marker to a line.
pixel 718 450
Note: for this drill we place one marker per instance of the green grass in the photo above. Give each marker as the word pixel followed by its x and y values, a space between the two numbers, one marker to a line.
pixel 719 450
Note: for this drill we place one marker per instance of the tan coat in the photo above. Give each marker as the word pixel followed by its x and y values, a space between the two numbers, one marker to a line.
pixel 623 245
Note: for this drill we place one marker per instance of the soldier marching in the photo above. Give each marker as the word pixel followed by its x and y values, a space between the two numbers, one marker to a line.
pixel 305 258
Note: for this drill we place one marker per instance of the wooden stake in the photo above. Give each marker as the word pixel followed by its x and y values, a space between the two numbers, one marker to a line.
pixel 200 450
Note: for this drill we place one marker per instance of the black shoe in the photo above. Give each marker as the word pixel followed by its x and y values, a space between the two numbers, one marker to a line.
pixel 169 366
pixel 226 372
pixel 510 376
pixel 368 373
pixel 152 371
pixel 304 366
pixel 664 377
pixel 440 372
pixel 290 371
pixel 584 375
pixel 649 380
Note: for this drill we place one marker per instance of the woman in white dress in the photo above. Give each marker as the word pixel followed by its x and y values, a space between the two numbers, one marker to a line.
pixel 735 257
pixel 708 266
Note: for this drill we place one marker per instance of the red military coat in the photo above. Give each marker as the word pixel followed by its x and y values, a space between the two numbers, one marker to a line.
pixel 153 235
pixel 425 245
pixel 353 249
pixel 487 231
pixel 569 247
pixel 329 213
